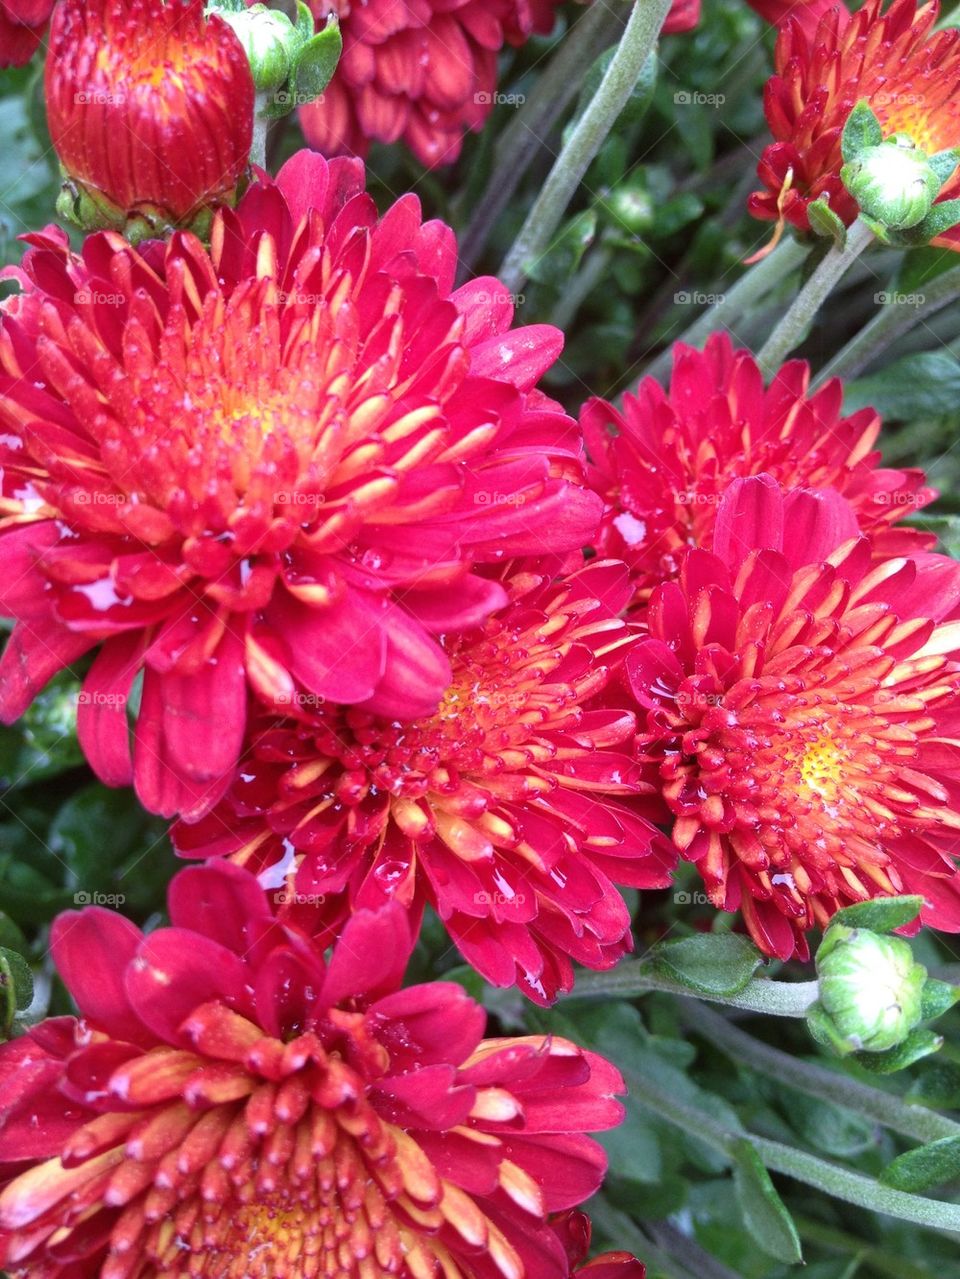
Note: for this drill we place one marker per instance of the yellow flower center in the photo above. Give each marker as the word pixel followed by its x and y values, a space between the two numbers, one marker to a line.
pixel 821 766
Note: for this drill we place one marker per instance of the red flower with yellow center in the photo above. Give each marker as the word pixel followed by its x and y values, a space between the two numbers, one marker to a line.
pixel 270 465
pixel 894 60
pixel 232 1106
pixel 801 705
pixel 663 462
pixel 150 108
pixel 507 810
pixel 22 27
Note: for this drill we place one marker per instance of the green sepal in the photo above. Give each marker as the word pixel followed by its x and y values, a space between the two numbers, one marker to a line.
pixel 938 997
pixel 825 223
pixel 862 130
pixel 918 1044
pixel 880 915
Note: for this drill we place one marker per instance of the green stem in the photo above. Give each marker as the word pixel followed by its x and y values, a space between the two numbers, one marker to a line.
pixel 916 1122
pixel 891 322
pixel 635 977
pixel 849 1245
pixel 601 115
pixel 258 146
pixel 753 286
pixel 553 92
pixel 795 325
pixel 840 1183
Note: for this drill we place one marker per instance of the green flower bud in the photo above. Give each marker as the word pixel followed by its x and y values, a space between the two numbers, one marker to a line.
pixel 631 208
pixel 871 990
pixel 893 183
pixel 270 40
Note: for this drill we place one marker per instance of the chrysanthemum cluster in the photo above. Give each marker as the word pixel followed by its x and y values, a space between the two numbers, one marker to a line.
pixel 388 632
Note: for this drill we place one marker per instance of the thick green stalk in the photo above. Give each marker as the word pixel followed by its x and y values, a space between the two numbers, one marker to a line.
pixel 635 977
pixel 555 89
pixel 795 325
pixel 830 1178
pixel 757 283
pixel 601 115
pixel 261 127
pixel 916 1122
pixel 898 316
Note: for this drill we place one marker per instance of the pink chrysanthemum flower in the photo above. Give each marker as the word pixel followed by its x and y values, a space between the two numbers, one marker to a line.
pixel 663 462
pixel 270 465
pixel 231 1105
pixel 801 710
pixel 508 810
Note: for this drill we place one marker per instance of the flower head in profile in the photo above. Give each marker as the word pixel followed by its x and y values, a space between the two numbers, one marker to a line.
pixel 663 462
pixel 23 24
pixel 150 108
pixel 272 465
pixel 895 60
pixel 800 705
pixel 508 810
pixel 233 1105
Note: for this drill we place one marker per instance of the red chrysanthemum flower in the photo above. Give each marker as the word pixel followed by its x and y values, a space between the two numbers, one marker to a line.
pixel 575 1229
pixel 424 71
pixel 273 464
pixel 506 810
pixel 150 107
pixel 664 461
pixel 231 1106
pixel 894 60
pixel 805 12
pixel 23 24
pixel 801 706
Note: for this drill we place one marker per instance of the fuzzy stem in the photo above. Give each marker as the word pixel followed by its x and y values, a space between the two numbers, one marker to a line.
pixel 555 89
pixel 795 325
pixel 627 980
pixel 752 287
pixel 916 1122
pixel 839 1183
pixel 891 322
pixel 601 115
pixel 258 146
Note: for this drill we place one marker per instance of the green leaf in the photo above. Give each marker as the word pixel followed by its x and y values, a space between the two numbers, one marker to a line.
pixel 882 915
pixel 937 1084
pixel 942 217
pixel 316 63
pixel 862 130
pixel 930 1165
pixel 919 1043
pixel 824 222
pixel 938 997
pixel 764 1211
pixel 944 163
pixel 709 963
pixel 917 386
pixel 16 979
